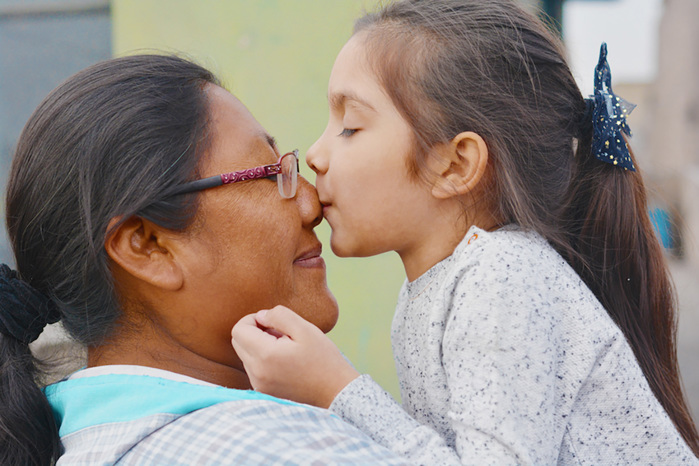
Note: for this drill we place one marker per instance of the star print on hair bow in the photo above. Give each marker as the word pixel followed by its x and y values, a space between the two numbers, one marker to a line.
pixel 609 118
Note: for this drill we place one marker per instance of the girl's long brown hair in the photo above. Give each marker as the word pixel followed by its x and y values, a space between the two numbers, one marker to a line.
pixel 490 67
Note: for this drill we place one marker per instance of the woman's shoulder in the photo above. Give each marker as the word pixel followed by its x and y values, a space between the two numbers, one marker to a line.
pixel 262 431
pixel 143 418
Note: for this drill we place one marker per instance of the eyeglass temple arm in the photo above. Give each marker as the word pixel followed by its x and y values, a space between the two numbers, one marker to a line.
pixel 267 171
pixel 199 185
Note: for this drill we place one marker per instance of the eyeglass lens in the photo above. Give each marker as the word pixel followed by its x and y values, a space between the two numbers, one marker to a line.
pixel 288 178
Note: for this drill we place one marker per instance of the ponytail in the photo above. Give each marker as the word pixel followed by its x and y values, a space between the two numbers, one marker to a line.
pixel 619 257
pixel 612 245
pixel 28 431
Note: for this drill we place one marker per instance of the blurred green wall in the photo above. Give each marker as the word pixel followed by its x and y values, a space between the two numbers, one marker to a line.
pixel 276 56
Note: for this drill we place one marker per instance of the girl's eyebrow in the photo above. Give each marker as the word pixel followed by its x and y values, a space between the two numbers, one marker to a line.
pixel 338 99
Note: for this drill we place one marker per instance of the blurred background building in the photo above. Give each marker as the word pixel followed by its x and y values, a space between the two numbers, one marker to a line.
pixel 276 56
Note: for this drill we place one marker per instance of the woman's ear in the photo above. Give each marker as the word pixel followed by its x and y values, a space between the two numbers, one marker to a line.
pixel 143 250
pixel 462 164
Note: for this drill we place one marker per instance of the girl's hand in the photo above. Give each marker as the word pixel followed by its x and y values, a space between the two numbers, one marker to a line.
pixel 288 357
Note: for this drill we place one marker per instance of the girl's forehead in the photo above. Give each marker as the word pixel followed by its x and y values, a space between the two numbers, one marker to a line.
pixel 353 82
pixel 351 64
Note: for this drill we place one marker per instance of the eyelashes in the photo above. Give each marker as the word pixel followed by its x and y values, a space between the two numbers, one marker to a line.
pixel 347 132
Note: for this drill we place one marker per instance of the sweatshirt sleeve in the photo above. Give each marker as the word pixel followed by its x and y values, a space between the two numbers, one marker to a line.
pixel 368 407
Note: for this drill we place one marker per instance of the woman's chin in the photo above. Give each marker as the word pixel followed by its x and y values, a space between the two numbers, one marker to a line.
pixel 331 318
pixel 327 314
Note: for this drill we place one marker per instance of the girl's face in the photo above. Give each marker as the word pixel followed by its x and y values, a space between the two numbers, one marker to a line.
pixel 361 161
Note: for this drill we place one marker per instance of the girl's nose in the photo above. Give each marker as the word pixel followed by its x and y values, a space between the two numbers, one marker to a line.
pixel 314 158
pixel 309 204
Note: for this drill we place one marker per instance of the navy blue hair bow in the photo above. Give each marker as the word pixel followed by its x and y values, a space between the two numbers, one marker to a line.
pixel 609 113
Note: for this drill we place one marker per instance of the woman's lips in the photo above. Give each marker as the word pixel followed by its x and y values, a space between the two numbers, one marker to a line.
pixel 311 258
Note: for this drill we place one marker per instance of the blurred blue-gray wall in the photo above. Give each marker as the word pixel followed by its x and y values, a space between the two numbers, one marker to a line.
pixel 42 42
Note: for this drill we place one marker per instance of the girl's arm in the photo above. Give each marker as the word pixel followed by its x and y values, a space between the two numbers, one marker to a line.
pixel 506 400
pixel 288 357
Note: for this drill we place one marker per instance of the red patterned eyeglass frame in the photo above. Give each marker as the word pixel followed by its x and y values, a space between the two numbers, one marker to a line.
pixel 265 171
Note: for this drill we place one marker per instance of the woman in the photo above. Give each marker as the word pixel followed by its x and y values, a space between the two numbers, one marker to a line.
pixel 117 235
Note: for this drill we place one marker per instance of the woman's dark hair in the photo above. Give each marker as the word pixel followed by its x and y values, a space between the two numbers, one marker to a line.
pixel 490 67
pixel 110 142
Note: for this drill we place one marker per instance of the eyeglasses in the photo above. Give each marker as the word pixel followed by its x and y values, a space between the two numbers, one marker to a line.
pixel 286 172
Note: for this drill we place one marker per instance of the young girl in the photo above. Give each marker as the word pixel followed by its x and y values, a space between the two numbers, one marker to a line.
pixel 537 321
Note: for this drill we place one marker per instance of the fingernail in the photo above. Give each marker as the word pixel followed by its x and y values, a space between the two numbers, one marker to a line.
pixel 261 315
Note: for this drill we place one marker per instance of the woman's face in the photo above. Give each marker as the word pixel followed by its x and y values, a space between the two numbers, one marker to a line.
pixel 361 160
pixel 249 249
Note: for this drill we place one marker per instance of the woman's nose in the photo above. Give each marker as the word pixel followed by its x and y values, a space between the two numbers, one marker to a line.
pixel 309 204
pixel 314 158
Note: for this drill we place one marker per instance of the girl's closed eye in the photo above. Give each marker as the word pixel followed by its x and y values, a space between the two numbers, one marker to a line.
pixel 347 132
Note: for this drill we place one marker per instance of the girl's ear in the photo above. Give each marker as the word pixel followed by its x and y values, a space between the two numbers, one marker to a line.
pixel 462 165
pixel 144 251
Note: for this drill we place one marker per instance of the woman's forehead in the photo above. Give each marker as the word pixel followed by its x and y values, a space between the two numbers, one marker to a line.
pixel 238 139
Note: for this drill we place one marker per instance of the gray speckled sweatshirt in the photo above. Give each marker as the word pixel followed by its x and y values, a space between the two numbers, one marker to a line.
pixel 505 356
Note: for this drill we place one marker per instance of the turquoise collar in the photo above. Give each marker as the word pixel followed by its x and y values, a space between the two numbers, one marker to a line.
pixel 89 401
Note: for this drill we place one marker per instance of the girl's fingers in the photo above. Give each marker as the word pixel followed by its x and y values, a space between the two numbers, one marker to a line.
pixel 248 338
pixel 281 320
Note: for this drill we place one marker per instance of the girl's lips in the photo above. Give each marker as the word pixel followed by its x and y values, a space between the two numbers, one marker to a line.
pixel 326 207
